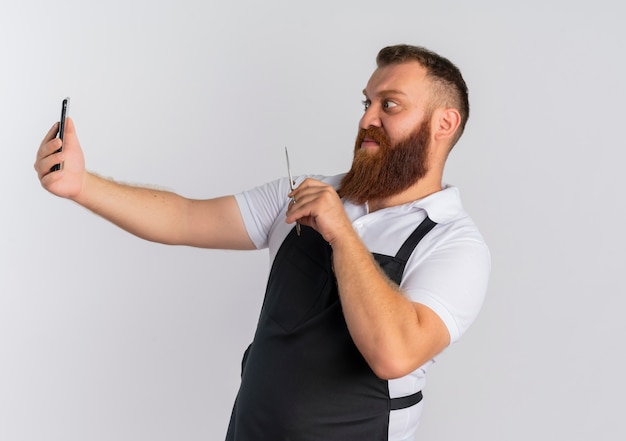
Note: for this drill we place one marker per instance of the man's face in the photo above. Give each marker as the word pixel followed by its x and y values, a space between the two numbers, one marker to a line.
pixel 391 149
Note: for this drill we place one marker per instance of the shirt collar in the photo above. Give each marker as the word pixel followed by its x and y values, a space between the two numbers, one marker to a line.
pixel 441 207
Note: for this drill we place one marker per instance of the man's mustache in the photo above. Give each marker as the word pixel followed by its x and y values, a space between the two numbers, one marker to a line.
pixel 374 133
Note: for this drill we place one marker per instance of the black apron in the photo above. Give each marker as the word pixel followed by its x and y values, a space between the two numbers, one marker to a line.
pixel 303 379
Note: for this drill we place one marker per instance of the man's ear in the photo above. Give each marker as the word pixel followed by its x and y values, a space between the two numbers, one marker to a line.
pixel 445 123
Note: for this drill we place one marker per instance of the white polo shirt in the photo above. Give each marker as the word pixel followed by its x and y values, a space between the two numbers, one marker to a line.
pixel 448 271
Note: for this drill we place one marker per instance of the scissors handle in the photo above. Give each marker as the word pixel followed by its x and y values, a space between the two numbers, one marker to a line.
pixel 291 185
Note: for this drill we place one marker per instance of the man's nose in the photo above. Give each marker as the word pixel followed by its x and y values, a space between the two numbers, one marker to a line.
pixel 371 117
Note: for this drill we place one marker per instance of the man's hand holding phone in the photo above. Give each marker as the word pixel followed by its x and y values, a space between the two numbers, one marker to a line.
pixel 59 163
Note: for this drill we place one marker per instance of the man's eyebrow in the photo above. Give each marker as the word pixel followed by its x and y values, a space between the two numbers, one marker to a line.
pixel 387 92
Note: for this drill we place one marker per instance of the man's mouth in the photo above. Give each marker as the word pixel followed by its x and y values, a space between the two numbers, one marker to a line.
pixel 369 143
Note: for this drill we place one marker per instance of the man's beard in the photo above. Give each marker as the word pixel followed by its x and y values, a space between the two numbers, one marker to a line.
pixel 388 171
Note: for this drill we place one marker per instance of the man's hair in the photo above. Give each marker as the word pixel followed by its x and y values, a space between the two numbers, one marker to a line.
pixel 449 88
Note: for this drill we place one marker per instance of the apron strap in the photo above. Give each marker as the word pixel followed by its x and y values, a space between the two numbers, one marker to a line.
pixel 404 402
pixel 409 245
pixel 393 266
pixel 403 255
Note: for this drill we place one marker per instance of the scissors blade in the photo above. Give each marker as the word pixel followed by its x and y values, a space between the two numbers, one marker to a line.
pixel 289 170
pixel 291 184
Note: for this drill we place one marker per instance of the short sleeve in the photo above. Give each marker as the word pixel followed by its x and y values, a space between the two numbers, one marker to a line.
pixel 261 206
pixel 451 279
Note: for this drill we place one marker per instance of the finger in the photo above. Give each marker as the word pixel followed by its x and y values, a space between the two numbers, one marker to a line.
pixel 310 182
pixel 303 206
pixel 293 210
pixel 49 178
pixel 47 150
pixel 44 165
pixel 49 144
pixel 312 192
pixel 52 133
pixel 305 186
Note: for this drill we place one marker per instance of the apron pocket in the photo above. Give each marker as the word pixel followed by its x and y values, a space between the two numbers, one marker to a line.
pixel 300 284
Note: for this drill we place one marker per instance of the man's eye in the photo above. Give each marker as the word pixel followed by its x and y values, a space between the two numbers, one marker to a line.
pixel 366 104
pixel 388 104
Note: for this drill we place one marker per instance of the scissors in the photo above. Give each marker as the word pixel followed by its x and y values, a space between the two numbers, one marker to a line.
pixel 291 183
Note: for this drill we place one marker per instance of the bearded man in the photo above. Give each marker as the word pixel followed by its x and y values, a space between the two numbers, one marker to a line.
pixel 387 271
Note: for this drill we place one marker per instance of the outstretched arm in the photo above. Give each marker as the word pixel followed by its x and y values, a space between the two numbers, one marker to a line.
pixel 154 215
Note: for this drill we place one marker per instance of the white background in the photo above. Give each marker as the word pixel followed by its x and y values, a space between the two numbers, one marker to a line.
pixel 107 337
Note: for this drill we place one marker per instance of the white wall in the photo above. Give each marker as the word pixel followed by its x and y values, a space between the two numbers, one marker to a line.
pixel 104 336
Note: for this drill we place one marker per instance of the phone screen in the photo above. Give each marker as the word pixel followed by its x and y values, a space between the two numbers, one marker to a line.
pixel 64 106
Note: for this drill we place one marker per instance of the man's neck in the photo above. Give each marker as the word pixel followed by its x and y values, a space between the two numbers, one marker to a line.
pixel 419 190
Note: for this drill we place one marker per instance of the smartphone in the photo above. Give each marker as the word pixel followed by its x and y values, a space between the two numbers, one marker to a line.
pixel 64 107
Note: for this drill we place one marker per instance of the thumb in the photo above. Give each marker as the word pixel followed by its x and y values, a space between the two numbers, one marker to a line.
pixel 69 127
